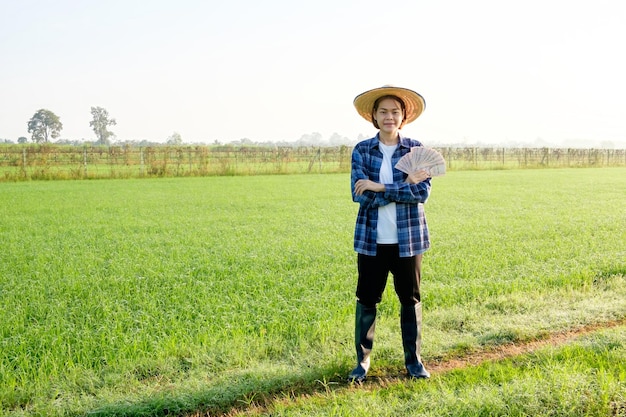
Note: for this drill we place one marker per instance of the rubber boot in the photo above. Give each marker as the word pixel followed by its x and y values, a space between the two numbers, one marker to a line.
pixel 411 325
pixel 365 324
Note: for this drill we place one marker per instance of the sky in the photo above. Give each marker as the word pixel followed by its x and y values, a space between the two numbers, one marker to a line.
pixel 491 71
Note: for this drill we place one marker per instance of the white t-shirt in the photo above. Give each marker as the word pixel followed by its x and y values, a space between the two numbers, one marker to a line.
pixel 387 230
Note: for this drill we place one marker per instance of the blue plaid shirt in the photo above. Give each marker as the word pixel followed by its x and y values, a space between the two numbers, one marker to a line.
pixel 409 198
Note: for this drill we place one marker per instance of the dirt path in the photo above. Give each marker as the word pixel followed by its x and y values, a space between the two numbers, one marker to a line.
pixel 262 402
pixel 510 350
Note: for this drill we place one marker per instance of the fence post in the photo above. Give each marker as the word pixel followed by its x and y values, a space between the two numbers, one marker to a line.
pixel 319 157
pixel 525 157
pixel 141 161
pixel 85 162
pixel 24 162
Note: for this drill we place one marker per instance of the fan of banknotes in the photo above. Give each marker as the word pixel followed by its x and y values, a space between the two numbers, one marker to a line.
pixel 422 158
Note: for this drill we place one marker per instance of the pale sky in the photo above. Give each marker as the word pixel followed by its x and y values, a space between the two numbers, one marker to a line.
pixel 491 71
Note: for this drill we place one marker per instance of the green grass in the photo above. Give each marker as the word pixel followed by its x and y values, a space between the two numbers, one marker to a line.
pixel 582 378
pixel 148 297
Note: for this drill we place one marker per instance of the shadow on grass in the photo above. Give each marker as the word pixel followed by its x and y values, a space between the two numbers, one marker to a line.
pixel 257 391
pixel 246 391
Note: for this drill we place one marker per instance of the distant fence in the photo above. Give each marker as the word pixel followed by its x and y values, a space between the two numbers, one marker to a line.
pixel 27 162
pixel 509 158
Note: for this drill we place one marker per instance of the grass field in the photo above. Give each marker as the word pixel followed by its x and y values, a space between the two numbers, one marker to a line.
pixel 194 295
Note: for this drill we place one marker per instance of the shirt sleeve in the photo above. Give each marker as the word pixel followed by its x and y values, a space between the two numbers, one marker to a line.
pixel 369 199
pixel 402 192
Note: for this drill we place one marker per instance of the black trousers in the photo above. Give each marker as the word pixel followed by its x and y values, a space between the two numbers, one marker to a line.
pixel 374 270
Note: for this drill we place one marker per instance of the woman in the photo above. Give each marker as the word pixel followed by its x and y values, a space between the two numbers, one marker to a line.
pixel 391 232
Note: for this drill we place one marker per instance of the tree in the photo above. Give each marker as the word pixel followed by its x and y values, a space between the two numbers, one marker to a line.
pixel 313 139
pixel 175 139
pixel 100 124
pixel 337 140
pixel 22 139
pixel 44 125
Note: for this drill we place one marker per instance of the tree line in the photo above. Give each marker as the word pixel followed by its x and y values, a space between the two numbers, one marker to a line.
pixel 45 125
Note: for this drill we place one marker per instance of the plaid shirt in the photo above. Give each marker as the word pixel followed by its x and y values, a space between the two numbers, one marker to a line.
pixel 409 198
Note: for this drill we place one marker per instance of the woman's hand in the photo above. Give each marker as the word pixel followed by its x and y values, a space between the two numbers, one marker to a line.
pixel 417 177
pixel 364 185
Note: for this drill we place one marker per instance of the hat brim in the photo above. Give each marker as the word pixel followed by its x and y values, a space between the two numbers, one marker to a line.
pixel 413 102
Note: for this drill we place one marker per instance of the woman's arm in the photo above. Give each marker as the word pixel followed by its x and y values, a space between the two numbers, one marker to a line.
pixel 368 193
pixel 415 189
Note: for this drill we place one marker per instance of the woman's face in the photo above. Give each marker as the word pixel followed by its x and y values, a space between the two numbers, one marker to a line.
pixel 389 115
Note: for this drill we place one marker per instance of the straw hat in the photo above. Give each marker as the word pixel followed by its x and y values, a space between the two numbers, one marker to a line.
pixel 413 102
